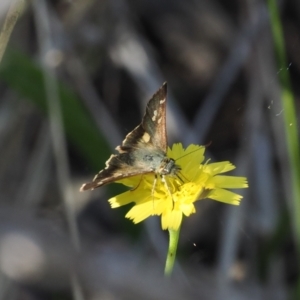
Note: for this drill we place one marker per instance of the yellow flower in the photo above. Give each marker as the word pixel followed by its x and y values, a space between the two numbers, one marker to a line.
pixel 174 196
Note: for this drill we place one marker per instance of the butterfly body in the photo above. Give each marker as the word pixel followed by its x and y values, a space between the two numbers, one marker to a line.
pixel 144 150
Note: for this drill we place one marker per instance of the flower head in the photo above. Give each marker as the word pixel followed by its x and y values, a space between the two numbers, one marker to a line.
pixel 171 197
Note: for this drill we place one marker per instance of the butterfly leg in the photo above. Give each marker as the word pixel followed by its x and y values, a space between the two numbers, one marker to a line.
pixel 134 188
pixel 163 179
pixel 154 184
pixel 153 189
pixel 177 175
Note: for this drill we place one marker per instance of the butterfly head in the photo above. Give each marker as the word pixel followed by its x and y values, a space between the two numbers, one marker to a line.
pixel 168 167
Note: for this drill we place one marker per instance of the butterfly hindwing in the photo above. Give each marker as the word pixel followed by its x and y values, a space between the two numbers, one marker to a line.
pixel 117 167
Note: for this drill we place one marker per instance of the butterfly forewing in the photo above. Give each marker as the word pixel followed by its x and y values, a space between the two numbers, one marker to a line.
pixel 154 120
pixel 143 149
pixel 152 131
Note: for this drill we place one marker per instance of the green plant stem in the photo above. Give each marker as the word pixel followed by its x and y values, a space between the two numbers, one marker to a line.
pixel 290 123
pixel 290 119
pixel 171 256
pixel 14 11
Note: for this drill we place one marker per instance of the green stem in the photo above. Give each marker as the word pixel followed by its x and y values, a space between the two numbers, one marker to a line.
pixel 291 126
pixel 290 116
pixel 173 242
pixel 14 11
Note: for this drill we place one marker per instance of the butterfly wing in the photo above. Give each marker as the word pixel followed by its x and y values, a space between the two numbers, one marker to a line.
pixel 143 148
pixel 117 167
pixel 151 133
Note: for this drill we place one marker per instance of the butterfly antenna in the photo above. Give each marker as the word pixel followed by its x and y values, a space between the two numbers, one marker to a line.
pixel 163 178
pixel 206 146
pixel 152 191
pixel 189 153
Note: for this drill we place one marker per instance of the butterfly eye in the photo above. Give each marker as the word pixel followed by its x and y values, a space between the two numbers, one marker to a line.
pixel 168 166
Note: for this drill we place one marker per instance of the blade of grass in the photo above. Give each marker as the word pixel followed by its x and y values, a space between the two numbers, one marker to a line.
pixel 15 9
pixel 57 131
pixel 290 120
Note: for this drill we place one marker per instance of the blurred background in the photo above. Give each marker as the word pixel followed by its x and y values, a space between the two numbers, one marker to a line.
pixel 75 79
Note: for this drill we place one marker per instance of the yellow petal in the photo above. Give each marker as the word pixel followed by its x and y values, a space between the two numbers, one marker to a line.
pixel 218 167
pixel 141 212
pixel 187 209
pixel 229 182
pixel 225 196
pixel 171 219
pixel 128 197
